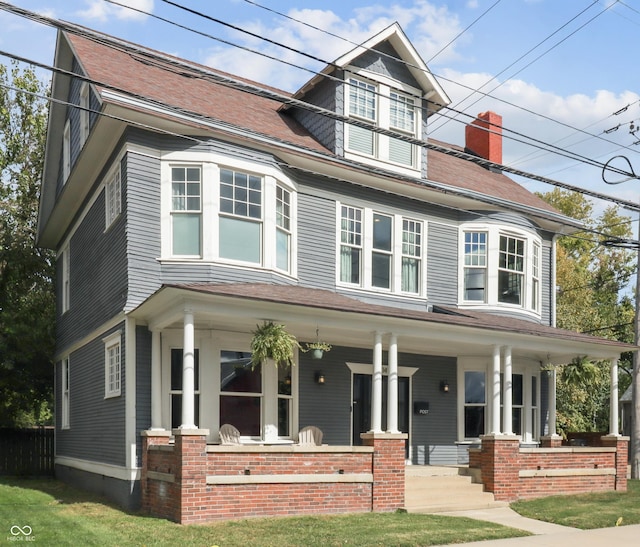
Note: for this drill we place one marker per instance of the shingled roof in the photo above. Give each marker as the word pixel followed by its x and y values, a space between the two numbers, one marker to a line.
pixel 167 80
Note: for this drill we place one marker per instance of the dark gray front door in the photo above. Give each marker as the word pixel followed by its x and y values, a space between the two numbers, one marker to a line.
pixel 362 405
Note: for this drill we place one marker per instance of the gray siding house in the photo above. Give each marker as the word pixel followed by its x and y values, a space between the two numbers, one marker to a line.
pixel 187 206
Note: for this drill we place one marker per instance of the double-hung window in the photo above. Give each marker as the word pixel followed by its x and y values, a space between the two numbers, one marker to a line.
pixel 113 197
pixel 113 365
pixel 177 357
pixel 382 253
pixel 475 266
pixel 66 151
pixel 240 216
pixel 84 112
pixel 373 99
pixel 511 270
pixel 362 105
pixel 241 396
pixel 66 277
pixel 186 210
pixel 283 229
pixel 402 119
pixel 411 255
pixel 475 401
pixel 350 244
pixel 65 410
pixel 535 277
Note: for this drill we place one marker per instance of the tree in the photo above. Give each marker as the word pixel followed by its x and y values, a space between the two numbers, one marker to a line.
pixel 27 301
pixel 593 280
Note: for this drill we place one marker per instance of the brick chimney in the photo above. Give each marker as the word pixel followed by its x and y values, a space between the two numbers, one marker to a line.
pixel 483 137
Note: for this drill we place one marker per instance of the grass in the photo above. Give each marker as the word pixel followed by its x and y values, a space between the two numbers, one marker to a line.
pixel 586 511
pixel 60 515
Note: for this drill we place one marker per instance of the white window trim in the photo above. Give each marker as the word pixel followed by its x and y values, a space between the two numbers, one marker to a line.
pixel 210 343
pixel 384 86
pixel 66 278
pixel 65 422
pixel 84 113
pixel 211 164
pixel 367 250
pixel 112 341
pixel 66 151
pixel 113 179
pixel 526 369
pixel 494 231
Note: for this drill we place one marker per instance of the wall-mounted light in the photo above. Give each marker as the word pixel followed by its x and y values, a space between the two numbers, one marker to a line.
pixel 319 378
pixel 444 386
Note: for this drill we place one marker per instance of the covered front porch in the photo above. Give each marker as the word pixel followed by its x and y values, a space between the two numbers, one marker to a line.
pixel 407 354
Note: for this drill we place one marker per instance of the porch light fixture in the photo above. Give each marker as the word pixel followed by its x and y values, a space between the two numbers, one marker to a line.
pixel 444 386
pixel 319 378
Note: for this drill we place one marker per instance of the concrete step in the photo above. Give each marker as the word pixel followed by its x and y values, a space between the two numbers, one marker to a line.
pixel 431 489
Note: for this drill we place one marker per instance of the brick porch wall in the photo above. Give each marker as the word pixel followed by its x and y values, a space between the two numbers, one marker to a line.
pixel 513 473
pixel 190 482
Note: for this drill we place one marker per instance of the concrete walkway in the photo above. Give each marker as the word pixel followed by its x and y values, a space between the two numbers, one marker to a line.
pixel 419 485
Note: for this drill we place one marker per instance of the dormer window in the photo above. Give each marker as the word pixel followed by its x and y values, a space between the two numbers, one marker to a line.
pixel 379 101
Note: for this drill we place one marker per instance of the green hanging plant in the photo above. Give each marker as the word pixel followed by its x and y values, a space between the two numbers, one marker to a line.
pixel 272 341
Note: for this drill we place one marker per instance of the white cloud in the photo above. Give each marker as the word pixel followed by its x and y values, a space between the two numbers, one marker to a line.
pixel 102 11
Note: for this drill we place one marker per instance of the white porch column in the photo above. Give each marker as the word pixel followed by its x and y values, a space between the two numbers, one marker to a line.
pixel 613 399
pixel 495 391
pixel 156 381
pixel 376 386
pixel 552 402
pixel 188 373
pixel 392 387
pixel 507 397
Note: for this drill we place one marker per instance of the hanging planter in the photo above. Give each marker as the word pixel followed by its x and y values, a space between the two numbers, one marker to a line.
pixel 272 341
pixel 317 348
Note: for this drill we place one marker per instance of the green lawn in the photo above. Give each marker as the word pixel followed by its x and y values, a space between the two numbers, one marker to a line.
pixel 59 515
pixel 586 511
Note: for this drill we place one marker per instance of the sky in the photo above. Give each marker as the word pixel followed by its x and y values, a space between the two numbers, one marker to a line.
pixel 563 73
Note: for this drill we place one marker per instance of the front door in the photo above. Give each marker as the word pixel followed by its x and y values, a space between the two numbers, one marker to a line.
pixel 361 407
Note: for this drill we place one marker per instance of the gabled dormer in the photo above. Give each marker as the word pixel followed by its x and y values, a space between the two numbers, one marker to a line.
pixel 382 83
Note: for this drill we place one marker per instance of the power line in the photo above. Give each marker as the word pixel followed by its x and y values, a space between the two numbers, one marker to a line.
pixel 193 71
pixel 533 49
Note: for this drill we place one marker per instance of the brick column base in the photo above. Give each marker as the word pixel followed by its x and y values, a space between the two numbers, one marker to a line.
pixel 388 470
pixel 499 460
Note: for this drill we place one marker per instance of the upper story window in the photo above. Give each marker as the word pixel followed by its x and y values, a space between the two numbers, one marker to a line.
pixel 186 210
pixel 229 214
pixel 379 251
pixel 65 282
pixel 113 196
pixel 84 112
pixel 500 268
pixel 379 102
pixel 240 216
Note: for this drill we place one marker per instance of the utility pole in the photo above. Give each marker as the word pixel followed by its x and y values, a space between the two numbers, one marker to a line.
pixel 635 381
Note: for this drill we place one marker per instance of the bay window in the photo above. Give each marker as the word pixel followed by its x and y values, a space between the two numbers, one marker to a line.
pixel 227 213
pixel 500 267
pixel 381 256
pixel 176 387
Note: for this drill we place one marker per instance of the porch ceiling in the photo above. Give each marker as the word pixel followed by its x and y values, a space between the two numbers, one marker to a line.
pixel 343 320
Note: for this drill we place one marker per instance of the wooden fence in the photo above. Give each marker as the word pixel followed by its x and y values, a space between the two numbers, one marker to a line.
pixel 27 452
